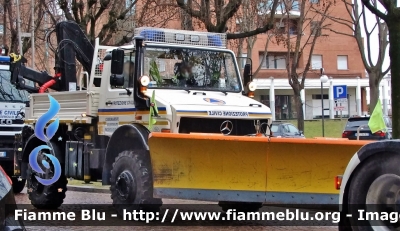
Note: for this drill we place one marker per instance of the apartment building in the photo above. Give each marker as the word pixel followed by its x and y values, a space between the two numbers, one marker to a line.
pixel 337 54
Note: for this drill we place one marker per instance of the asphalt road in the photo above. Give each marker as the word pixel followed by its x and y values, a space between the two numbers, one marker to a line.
pixel 79 200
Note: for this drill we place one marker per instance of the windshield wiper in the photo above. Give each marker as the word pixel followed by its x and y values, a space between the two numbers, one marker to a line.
pixel 226 93
pixel 195 93
pixel 188 91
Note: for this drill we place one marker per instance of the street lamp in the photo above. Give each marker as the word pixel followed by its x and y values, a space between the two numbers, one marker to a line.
pixel 323 80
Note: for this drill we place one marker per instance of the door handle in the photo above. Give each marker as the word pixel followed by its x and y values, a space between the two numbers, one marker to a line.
pixel 108 103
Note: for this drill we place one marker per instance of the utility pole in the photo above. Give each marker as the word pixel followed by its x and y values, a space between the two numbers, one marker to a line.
pixel 33 34
pixel 19 28
pixel 46 57
pixel 4 22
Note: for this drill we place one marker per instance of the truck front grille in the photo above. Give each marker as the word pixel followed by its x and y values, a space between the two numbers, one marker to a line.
pixel 241 127
pixel 10 129
pixel 7 141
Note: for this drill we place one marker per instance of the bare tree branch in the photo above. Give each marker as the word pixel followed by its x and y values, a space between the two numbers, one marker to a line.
pixel 374 10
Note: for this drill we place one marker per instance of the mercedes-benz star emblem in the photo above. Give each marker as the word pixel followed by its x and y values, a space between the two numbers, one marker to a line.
pixel 226 127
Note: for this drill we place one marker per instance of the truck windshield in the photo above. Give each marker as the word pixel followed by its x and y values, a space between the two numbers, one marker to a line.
pixel 8 92
pixel 191 69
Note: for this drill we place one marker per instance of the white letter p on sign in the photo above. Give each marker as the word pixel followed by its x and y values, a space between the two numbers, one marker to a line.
pixel 339 91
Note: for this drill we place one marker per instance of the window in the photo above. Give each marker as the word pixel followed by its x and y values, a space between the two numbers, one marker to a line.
pixel 128 3
pixel 213 70
pixel 292 129
pixel 342 62
pixel 314 1
pixel 161 65
pixel 319 96
pixel 274 128
pixel 265 6
pixel 273 61
pixel 295 5
pixel 315 28
pixel 243 60
pixel 388 122
pixel 1 29
pixel 293 27
pixel 316 62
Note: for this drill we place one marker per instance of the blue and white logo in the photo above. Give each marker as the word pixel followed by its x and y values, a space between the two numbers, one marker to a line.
pixel 50 132
pixel 214 101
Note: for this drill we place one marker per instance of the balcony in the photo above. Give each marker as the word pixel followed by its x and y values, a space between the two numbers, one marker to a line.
pixel 264 8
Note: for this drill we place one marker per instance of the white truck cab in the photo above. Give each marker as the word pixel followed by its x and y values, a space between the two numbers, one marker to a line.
pixel 196 83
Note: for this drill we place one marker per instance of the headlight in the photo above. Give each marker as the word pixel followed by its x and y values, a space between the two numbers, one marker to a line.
pixel 252 86
pixel 144 81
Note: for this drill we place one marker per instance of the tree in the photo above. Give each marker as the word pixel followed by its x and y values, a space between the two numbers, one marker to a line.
pixel 392 19
pixel 300 37
pixel 92 13
pixel 358 24
pixel 252 15
pixel 10 23
pixel 215 15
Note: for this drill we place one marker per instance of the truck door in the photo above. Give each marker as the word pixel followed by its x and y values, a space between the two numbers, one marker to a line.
pixel 119 106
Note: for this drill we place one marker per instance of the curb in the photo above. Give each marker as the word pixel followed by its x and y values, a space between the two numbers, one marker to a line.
pixel 90 189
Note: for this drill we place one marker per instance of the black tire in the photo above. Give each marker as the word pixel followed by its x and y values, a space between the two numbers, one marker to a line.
pixel 363 177
pixel 240 206
pixel 46 197
pixel 132 183
pixel 18 186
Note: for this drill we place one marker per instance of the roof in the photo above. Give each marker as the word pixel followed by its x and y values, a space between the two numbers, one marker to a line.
pixel 265 83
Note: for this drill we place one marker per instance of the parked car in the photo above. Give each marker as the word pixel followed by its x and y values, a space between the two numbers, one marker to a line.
pixel 8 205
pixel 353 123
pixel 286 130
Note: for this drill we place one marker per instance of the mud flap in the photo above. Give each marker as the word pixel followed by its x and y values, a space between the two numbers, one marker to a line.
pixel 216 167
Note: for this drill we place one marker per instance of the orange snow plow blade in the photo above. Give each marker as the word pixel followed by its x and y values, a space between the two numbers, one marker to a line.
pixel 244 164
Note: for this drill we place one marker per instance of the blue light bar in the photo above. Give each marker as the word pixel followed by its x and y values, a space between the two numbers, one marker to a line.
pixel 153 35
pixel 214 40
pixel 182 37
pixel 5 59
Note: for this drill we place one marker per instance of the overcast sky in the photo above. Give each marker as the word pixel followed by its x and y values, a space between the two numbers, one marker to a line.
pixel 374 37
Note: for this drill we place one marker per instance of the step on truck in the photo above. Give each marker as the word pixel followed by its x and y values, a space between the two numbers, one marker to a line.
pixel 168 116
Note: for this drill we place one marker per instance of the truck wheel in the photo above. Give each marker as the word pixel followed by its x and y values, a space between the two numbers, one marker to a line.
pixel 18 186
pixel 46 197
pixel 240 206
pixel 132 184
pixel 375 187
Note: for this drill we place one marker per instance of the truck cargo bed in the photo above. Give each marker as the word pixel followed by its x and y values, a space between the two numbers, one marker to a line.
pixel 72 106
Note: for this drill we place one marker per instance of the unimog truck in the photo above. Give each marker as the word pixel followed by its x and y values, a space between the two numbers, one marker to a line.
pixel 176 82
pixel 168 116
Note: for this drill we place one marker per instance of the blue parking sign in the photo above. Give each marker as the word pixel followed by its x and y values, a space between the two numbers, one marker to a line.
pixel 340 92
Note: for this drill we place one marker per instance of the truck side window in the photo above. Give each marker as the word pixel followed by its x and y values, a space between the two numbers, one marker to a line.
pixel 129 69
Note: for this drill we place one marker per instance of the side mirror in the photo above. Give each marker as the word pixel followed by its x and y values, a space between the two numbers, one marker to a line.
pixel 247 74
pixel 117 80
pixel 301 132
pixel 117 62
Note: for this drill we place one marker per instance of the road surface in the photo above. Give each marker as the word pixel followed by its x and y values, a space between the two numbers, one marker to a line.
pixel 79 199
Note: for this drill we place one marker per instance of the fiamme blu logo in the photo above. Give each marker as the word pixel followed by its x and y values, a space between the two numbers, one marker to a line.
pixel 40 134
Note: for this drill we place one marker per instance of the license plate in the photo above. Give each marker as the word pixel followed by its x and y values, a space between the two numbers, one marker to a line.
pixel 364 134
pixel 3 154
